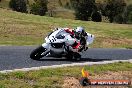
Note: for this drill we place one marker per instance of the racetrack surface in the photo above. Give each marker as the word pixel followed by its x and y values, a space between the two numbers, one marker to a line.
pixel 17 57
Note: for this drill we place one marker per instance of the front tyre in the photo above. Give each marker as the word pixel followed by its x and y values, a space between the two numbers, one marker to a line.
pixel 37 53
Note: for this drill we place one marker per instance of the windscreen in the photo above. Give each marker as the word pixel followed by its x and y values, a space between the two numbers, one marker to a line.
pixel 60 35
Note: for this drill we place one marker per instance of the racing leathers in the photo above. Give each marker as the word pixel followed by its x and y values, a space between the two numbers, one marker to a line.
pixel 75 41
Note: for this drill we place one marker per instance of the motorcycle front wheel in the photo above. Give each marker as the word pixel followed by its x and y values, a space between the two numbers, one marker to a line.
pixel 37 53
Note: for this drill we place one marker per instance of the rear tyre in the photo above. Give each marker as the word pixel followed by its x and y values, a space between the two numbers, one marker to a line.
pixel 69 56
pixel 77 56
pixel 73 56
pixel 37 53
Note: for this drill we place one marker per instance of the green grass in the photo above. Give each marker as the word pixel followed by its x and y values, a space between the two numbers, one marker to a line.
pixel 27 29
pixel 53 78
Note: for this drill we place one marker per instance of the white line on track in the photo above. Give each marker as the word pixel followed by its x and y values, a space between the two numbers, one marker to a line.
pixel 64 65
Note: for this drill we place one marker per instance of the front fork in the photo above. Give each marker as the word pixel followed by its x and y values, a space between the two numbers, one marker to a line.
pixel 47 47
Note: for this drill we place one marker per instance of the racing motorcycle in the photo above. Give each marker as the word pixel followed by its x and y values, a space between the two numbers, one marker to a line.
pixel 57 45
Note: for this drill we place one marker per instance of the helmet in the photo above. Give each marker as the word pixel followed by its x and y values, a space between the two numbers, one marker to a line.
pixel 80 30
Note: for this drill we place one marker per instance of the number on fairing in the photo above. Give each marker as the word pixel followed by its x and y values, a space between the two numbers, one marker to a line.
pixel 53 39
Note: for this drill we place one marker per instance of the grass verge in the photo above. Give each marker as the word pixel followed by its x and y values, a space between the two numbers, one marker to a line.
pixel 54 78
pixel 26 29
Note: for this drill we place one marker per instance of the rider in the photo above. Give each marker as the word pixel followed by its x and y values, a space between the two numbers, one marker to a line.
pixel 78 34
pixel 82 36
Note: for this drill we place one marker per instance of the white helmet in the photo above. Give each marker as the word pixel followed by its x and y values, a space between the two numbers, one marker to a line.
pixel 79 29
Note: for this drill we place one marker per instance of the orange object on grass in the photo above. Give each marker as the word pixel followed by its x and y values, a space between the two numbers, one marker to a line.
pixel 84 73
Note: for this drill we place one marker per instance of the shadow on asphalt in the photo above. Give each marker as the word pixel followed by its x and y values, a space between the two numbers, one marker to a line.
pixel 82 59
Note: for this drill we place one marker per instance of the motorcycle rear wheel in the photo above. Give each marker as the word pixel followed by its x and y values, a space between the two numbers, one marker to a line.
pixel 73 56
pixel 69 56
pixel 77 56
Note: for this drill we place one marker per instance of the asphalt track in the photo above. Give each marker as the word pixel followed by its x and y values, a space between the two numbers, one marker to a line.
pixel 17 57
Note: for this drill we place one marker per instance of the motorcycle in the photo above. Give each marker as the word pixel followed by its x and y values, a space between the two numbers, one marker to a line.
pixel 57 45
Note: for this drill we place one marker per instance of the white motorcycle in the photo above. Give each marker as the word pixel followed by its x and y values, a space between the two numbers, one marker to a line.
pixel 58 45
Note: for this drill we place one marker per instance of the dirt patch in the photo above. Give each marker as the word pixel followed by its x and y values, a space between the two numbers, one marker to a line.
pixel 72 82
pixel 111 42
